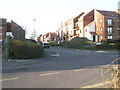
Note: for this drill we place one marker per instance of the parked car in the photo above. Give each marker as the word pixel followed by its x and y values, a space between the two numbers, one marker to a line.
pixel 46 45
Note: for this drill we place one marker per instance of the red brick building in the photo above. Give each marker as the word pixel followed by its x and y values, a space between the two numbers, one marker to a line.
pixel 51 36
pixel 10 28
pixel 99 25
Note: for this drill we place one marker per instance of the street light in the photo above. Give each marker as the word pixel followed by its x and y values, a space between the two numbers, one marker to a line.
pixel 34 24
pixel 34 32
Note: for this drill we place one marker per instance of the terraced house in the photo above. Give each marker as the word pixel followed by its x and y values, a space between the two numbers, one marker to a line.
pixel 96 25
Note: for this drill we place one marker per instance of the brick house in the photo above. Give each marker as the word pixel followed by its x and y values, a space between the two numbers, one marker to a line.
pixel 47 37
pixel 17 30
pixel 3 28
pixel 10 28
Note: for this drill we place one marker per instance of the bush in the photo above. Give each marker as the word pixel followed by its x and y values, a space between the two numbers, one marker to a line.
pixel 113 41
pixel 103 46
pixel 109 45
pixel 80 43
pixel 25 50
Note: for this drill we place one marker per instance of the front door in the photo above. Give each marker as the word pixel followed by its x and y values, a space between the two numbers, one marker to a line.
pixel 94 38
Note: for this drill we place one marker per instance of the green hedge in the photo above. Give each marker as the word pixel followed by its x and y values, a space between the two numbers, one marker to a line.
pixel 25 50
pixel 108 46
pixel 80 43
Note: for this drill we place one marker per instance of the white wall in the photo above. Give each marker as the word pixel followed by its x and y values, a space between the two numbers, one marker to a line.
pixel 90 28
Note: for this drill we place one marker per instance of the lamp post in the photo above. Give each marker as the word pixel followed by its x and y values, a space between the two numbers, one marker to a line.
pixel 34 32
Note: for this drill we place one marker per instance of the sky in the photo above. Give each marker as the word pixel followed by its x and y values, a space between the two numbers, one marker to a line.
pixel 49 13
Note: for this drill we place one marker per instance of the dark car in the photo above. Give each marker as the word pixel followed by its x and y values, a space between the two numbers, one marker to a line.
pixel 46 45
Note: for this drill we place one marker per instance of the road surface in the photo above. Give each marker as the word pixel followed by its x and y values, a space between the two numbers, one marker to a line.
pixel 68 68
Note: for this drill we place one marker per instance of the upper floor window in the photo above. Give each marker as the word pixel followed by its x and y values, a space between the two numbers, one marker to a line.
pixel 0 28
pixel 101 37
pixel 109 29
pixel 101 29
pixel 118 36
pixel 109 21
pixel 0 34
pixel 101 20
pixel 118 20
pixel 80 31
pixel 118 28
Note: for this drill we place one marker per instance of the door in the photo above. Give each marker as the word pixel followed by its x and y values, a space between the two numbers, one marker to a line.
pixel 94 38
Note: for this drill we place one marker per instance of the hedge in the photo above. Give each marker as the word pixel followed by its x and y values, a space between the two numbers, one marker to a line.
pixel 80 43
pixel 25 50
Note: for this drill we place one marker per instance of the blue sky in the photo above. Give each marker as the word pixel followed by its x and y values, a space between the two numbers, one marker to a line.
pixel 49 13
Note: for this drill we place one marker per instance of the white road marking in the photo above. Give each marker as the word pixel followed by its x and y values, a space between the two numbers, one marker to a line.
pixel 47 74
pixel 78 70
pixel 102 51
pixel 96 85
pixel 9 79
pixel 57 55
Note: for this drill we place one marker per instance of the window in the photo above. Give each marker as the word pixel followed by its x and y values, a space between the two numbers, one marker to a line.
pixel 101 29
pixel 100 37
pixel 0 28
pixel 0 34
pixel 109 37
pixel 18 29
pixel 118 28
pixel 110 30
pixel 109 22
pixel 101 20
pixel 118 20
pixel 80 31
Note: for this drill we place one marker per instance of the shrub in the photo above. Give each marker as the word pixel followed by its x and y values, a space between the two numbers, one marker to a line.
pixel 103 46
pixel 113 41
pixel 25 50
pixel 80 43
pixel 109 45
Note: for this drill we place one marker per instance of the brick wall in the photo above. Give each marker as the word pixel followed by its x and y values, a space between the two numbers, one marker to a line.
pixel 17 30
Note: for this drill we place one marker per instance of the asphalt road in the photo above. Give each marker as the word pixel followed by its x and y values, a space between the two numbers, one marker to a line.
pixel 68 68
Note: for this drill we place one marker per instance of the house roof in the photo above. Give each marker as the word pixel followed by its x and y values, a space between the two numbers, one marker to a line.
pixel 108 13
pixel 93 33
pixel 75 16
pixel 90 24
